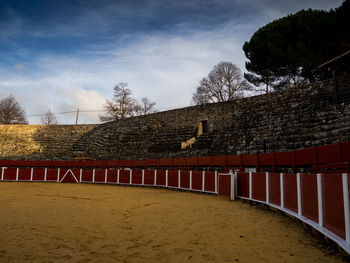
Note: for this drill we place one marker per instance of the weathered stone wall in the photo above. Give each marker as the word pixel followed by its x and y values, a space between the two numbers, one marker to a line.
pixel 291 119
pixel 39 141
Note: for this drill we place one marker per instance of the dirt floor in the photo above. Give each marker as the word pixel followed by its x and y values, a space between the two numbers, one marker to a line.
pixel 50 222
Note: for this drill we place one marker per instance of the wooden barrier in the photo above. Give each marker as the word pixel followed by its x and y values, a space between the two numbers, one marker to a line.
pixel 321 200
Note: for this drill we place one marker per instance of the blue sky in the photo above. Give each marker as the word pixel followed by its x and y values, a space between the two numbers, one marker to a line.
pixel 65 54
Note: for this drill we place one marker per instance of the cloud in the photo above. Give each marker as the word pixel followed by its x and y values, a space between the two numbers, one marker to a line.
pixel 18 67
pixel 163 65
pixel 165 68
pixel 89 103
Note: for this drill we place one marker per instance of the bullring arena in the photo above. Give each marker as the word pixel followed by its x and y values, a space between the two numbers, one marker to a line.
pixel 94 223
pixel 45 220
pixel 135 194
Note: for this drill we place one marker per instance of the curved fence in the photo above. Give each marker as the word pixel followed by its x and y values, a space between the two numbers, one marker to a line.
pixel 202 181
pixel 320 200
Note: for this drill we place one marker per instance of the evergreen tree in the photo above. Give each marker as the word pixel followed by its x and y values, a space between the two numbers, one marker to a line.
pixel 287 51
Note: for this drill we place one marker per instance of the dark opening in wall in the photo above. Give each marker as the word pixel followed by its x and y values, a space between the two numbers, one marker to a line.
pixel 203 127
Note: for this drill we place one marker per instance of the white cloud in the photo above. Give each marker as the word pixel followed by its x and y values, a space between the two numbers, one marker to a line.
pixel 164 68
pixel 18 67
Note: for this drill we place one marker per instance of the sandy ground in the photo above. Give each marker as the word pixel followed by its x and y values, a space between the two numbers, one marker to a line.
pixel 50 222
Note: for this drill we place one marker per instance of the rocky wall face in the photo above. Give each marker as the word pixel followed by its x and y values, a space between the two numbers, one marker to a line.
pixel 39 141
pixel 290 119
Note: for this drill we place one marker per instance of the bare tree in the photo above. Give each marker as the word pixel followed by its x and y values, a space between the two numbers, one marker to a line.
pixel 146 107
pixel 11 112
pixel 121 106
pixel 48 119
pixel 224 83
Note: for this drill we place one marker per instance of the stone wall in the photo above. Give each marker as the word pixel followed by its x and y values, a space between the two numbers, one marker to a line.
pixel 290 119
pixel 50 142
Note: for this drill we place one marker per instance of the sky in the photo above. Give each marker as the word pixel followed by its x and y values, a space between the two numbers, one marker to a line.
pixel 61 55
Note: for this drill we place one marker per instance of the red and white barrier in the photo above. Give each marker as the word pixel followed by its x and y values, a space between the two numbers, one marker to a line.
pixel 321 200
pixel 185 180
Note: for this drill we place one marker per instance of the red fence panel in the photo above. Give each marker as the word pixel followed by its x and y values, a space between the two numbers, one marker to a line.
pixel 179 161
pixel 209 182
pixel 86 176
pixel 224 187
pixel 219 160
pixel 137 177
pixel 243 184
pixel 52 174
pixel 152 162
pixel 266 159
pixel 100 175
pixel 149 177
pixel 185 179
pixel 87 164
pixel 285 158
pixel 112 163
pixel 191 161
pixel 345 146
pixel 233 160
pixel 126 163
pixel 290 195
pixel 249 159
pixel 10 174
pixel 76 173
pixel 274 189
pixel 173 179
pixel 124 176
pixel 309 201
pixel 24 174
pixel 259 186
pixel 333 204
pixel 328 153
pixel 139 163
pixel 161 177
pixel 38 174
pixel 166 162
pixel 112 175
pixel 197 177
pixel 69 175
pixel 305 156
pixel 204 160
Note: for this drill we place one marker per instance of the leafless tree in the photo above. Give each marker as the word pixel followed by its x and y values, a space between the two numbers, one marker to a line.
pixel 224 83
pixel 121 106
pixel 11 112
pixel 146 107
pixel 48 119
